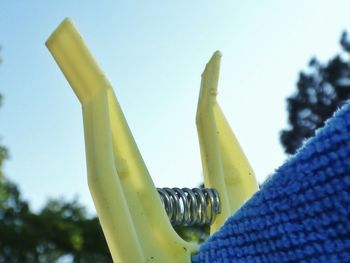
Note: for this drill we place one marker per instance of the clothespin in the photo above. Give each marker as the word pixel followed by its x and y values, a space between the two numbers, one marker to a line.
pixel 130 211
pixel 225 166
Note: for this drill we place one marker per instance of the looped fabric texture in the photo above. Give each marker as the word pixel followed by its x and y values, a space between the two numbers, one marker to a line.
pixel 301 214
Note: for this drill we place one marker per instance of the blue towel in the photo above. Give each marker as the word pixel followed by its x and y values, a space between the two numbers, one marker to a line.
pixel 302 214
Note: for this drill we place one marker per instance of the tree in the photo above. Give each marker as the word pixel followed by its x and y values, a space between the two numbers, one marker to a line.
pixel 320 91
pixel 60 230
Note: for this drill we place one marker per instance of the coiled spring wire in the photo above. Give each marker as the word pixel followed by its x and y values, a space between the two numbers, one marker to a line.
pixel 188 207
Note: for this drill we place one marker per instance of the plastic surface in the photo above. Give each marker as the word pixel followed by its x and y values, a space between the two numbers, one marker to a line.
pixel 133 220
pixel 224 164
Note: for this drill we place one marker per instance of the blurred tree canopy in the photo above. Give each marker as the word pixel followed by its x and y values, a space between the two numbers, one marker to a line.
pixel 321 90
pixel 60 232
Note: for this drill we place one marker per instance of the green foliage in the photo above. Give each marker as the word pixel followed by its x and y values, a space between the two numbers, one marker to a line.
pixel 3 151
pixel 60 229
pixel 320 91
pixel 195 234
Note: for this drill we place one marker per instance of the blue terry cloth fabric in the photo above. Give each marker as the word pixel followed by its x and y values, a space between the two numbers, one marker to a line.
pixel 302 214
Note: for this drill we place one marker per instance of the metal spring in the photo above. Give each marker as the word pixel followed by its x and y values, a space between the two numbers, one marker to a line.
pixel 188 207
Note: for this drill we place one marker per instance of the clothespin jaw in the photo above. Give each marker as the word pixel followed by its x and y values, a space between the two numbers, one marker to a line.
pixel 224 164
pixel 133 220
pixel 130 211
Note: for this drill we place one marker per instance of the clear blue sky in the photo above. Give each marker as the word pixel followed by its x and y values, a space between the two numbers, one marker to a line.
pixel 154 53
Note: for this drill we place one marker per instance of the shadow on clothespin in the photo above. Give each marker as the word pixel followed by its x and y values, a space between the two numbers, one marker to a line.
pixel 133 219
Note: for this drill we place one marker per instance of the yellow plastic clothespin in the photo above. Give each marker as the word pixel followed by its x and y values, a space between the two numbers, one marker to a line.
pixel 132 216
pixel 225 166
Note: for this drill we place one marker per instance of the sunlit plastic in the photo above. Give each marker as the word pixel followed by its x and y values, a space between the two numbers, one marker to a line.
pixel 133 220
